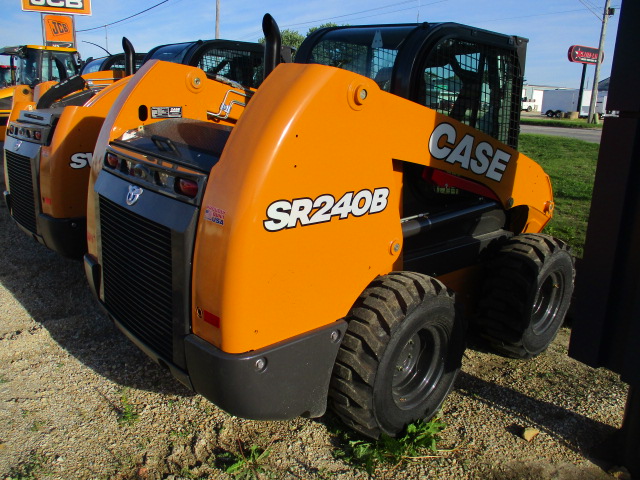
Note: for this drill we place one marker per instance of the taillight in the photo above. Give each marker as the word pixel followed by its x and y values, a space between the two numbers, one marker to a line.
pixel 187 187
pixel 37 135
pixel 211 319
pixel 111 160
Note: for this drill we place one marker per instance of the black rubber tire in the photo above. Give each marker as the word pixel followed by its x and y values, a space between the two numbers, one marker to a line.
pixel 550 113
pixel 400 355
pixel 526 295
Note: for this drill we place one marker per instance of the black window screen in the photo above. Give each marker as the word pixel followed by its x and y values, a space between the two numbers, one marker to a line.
pixel 93 66
pixel 241 66
pixel 171 53
pixel 118 63
pixel 367 51
pixel 473 83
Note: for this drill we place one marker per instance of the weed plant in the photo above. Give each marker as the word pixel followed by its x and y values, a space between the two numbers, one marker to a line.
pixel 418 442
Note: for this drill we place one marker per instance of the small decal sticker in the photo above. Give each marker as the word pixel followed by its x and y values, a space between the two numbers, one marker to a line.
pixel 215 215
pixel 305 211
pixel 166 112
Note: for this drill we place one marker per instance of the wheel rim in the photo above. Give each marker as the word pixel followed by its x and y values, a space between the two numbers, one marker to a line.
pixel 547 302
pixel 419 367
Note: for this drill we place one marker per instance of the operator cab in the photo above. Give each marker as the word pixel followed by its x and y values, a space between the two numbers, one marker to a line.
pixel 36 64
pixel 237 61
pixel 473 76
pixel 112 62
pixel 469 74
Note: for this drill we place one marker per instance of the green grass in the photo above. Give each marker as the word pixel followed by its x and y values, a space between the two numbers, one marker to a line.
pixel 559 122
pixel 571 164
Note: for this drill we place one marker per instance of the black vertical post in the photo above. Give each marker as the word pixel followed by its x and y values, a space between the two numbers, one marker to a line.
pixel 584 73
pixel 606 330
pixel 631 431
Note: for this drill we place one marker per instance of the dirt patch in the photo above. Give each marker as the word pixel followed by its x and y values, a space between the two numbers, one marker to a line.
pixel 78 401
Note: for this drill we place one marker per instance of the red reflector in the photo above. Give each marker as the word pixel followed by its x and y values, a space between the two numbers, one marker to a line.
pixel 112 160
pixel 187 187
pixel 211 319
pixel 37 135
pixel 47 200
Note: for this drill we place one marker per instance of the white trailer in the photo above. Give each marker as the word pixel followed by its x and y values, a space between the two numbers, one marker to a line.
pixel 557 102
pixel 531 98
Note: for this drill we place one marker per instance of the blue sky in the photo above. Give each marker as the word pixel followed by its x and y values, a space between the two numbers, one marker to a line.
pixel 551 25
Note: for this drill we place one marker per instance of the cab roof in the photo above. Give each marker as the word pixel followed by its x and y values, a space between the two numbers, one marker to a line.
pixel 18 49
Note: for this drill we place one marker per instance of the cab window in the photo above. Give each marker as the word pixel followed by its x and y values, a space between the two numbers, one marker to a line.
pixel 367 51
pixel 472 83
pixel 242 66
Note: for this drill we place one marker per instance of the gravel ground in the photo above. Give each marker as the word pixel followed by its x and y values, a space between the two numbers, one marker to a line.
pixel 78 401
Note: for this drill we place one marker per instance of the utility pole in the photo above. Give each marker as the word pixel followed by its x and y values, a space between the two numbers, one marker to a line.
pixel 217 18
pixel 593 115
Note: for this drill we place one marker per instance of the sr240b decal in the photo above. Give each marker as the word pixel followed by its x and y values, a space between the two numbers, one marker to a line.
pixel 283 214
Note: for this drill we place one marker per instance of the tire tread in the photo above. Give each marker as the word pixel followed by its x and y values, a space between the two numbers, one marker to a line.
pixel 376 314
pixel 503 311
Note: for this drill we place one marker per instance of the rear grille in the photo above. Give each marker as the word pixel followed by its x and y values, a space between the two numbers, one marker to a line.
pixel 137 275
pixel 23 207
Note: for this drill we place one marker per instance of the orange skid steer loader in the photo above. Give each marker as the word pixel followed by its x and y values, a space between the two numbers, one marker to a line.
pixel 331 247
pixel 49 148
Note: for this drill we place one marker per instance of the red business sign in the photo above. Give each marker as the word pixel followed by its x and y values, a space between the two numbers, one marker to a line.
pixel 580 54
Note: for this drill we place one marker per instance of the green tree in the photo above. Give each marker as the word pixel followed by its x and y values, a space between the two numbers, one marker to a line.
pixel 293 38
pixel 290 38
pixel 324 25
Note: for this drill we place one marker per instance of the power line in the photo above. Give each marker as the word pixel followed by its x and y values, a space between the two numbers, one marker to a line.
pixel 324 20
pixel 591 4
pixel 528 16
pixel 123 19
pixel 590 9
pixel 161 8
pixel 358 13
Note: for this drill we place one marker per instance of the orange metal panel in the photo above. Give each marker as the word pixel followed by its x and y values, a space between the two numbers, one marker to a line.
pixel 315 134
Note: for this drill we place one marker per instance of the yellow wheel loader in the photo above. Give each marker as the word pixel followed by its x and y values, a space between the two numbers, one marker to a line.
pixel 333 245
pixel 35 64
pixel 49 147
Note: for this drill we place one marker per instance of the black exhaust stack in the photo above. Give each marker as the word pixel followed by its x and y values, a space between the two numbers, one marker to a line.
pixel 272 44
pixel 129 57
